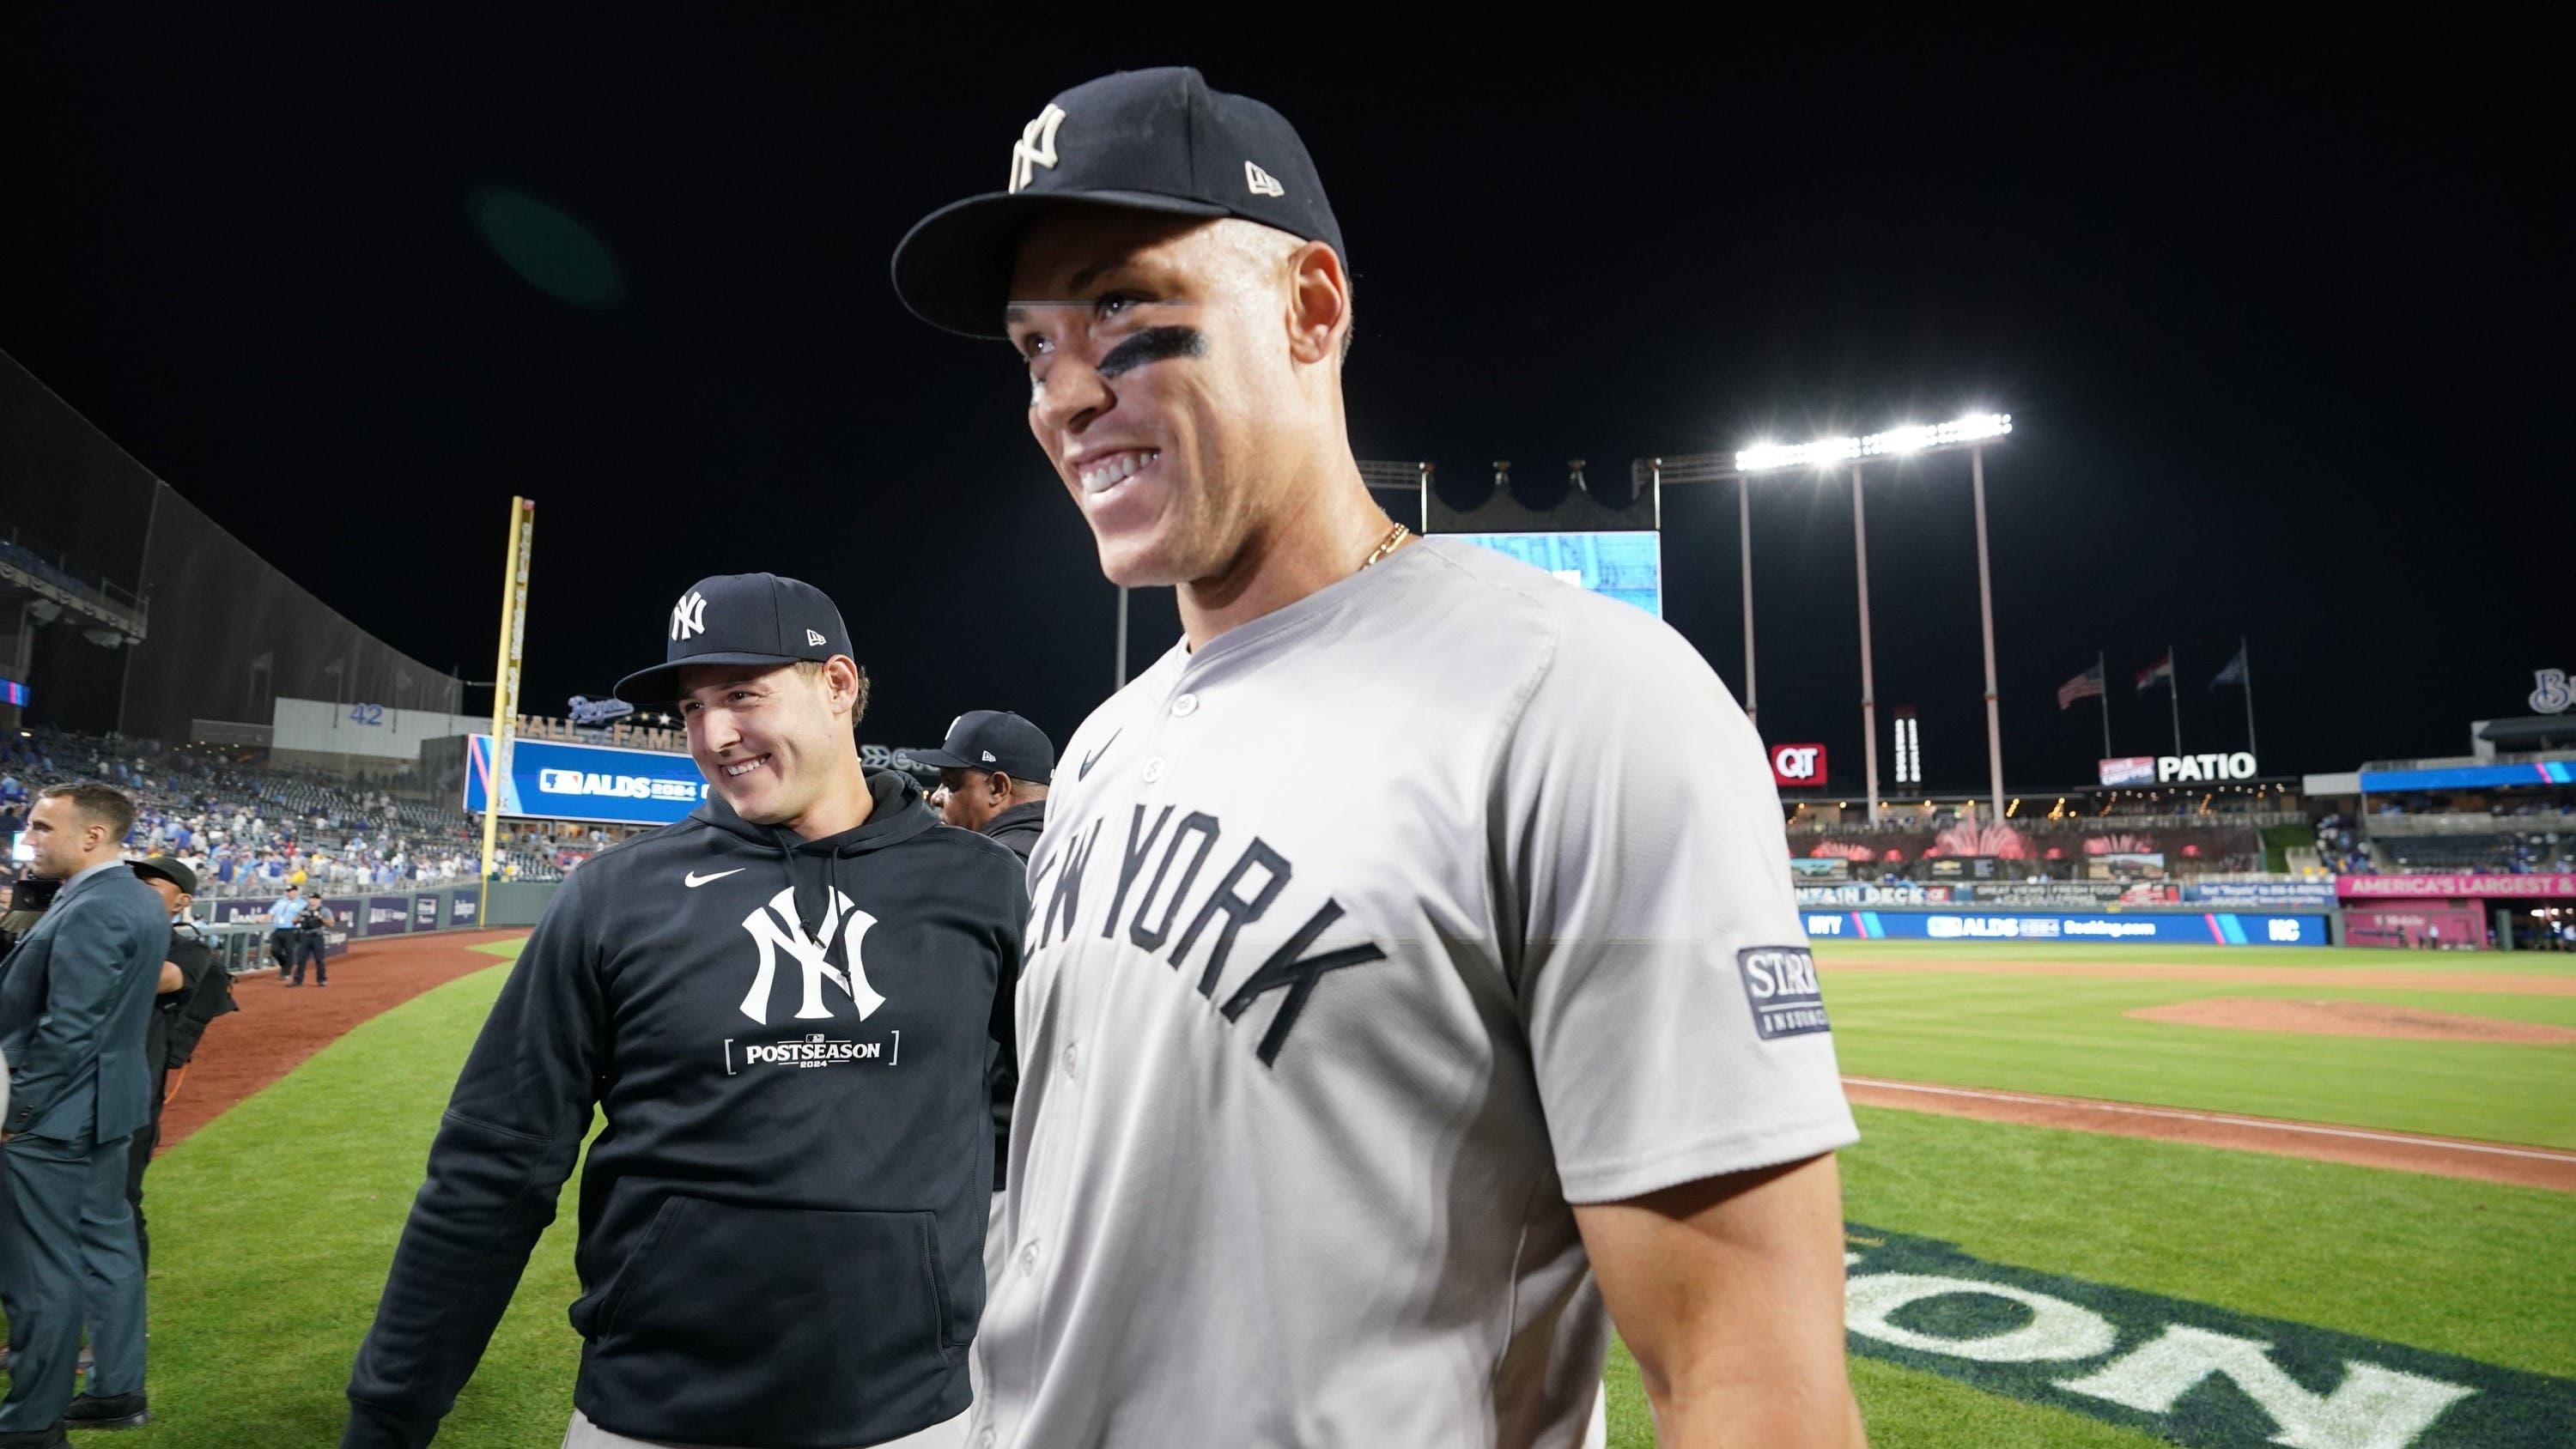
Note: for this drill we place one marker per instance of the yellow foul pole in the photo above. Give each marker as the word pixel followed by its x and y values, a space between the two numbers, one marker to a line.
pixel 505 685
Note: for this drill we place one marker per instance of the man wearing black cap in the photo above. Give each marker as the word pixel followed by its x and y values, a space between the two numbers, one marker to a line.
pixel 1431 1056
pixel 993 774
pixel 783 1007
pixel 194 991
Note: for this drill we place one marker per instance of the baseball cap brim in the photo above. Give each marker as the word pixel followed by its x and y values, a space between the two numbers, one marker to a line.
pixel 661 683
pixel 953 269
pixel 943 760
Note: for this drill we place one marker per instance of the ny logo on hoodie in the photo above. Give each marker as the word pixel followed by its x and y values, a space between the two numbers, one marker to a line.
pixel 808 951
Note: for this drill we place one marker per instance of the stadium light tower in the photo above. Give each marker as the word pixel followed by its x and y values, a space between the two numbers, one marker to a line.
pixel 1972 432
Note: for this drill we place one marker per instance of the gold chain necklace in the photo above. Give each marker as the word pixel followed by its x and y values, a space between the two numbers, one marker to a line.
pixel 1388 544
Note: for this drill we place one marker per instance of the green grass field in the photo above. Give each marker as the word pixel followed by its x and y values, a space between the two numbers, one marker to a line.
pixel 2068 1035
pixel 273 1225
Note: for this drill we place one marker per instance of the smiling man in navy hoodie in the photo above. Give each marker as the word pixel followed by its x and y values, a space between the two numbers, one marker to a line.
pixel 781 1005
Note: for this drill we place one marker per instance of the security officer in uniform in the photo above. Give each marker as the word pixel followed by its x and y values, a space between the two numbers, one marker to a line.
pixel 194 991
pixel 310 942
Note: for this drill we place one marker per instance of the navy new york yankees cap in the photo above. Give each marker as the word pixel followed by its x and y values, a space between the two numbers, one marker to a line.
pixel 740 619
pixel 1143 140
pixel 994 739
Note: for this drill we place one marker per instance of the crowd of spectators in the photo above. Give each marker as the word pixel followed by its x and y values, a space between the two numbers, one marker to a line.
pixel 2509 853
pixel 2509 832
pixel 2340 847
pixel 251 829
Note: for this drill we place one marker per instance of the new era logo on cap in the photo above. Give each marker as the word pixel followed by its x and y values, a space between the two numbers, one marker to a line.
pixel 814 636
pixel 988 757
pixel 1262 182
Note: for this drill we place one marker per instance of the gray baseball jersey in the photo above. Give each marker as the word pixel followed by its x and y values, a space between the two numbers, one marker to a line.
pixel 1364 941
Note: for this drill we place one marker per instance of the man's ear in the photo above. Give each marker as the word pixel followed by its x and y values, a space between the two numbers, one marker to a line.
pixel 841 683
pixel 1319 302
pixel 999 784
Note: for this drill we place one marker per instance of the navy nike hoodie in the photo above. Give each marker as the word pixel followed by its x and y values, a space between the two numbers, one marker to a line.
pixel 782 1219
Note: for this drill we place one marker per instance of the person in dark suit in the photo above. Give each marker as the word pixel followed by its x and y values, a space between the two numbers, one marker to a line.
pixel 75 1005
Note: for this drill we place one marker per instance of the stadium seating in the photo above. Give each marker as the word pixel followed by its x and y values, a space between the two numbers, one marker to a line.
pixel 251 827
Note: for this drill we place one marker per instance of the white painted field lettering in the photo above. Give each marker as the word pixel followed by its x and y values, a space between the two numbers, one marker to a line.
pixel 2152 1363
pixel 2373 1408
pixel 2058 1331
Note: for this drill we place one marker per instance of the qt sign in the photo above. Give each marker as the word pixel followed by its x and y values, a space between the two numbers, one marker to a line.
pixel 1797 765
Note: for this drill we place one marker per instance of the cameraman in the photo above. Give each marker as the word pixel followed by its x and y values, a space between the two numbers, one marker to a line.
pixel 309 944
pixel 27 902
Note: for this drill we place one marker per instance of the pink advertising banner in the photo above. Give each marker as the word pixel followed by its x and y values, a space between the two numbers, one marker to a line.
pixel 2456 887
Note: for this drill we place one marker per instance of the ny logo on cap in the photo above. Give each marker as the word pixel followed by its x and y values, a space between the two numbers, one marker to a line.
pixel 1262 182
pixel 689 616
pixel 1036 146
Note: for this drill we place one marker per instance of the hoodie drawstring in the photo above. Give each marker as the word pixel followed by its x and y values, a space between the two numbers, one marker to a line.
pixel 781 841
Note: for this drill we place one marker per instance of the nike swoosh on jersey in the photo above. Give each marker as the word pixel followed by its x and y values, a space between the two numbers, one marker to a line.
pixel 1093 758
pixel 695 880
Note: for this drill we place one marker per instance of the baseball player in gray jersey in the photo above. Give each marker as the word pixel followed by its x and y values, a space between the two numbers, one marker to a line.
pixel 1414 987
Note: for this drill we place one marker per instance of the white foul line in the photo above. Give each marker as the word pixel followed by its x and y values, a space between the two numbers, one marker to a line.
pixel 2221 1118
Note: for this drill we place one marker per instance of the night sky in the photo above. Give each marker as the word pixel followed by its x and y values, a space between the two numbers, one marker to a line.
pixel 2279 331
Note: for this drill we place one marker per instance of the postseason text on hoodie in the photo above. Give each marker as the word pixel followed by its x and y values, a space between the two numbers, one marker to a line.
pixel 782 1219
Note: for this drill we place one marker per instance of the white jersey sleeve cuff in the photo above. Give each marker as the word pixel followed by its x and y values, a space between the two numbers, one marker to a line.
pixel 1619 1179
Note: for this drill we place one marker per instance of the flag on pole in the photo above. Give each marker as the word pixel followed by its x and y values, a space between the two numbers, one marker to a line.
pixel 2087 685
pixel 2161 670
pixel 2234 673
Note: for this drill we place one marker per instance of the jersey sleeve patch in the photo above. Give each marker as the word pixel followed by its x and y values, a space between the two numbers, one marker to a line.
pixel 1780 984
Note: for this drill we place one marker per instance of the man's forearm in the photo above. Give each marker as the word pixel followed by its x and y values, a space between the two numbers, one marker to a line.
pixel 1718 1406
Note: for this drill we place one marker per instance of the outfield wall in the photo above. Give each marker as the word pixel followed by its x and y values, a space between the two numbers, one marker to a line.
pixel 378 913
pixel 2135 927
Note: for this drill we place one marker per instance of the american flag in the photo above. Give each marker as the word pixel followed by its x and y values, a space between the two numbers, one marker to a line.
pixel 2087 685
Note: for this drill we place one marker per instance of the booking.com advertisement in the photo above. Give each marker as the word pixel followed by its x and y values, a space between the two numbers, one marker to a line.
pixel 2207 928
pixel 600 783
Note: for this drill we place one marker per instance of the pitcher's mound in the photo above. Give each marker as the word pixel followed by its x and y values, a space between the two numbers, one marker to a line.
pixel 2352 1018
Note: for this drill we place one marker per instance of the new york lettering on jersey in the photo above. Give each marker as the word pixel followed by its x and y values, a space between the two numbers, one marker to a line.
pixel 1244 892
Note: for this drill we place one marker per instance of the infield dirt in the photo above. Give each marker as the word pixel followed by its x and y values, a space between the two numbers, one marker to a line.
pixel 279 1026
pixel 2350 1018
